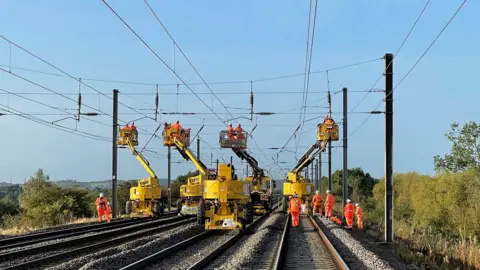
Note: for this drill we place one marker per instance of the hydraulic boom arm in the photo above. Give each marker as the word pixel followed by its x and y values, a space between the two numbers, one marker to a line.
pixel 242 154
pixel 142 160
pixel 307 158
pixel 187 154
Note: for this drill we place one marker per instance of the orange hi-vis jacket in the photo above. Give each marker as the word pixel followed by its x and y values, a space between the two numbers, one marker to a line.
pixel 317 200
pixel 348 210
pixel 101 203
pixel 330 200
pixel 109 209
pixel 359 211
pixel 295 205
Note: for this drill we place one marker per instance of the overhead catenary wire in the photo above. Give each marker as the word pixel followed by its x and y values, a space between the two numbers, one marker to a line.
pixel 412 68
pixel 185 56
pixel 65 73
pixel 396 53
pixel 52 91
pixel 196 83
pixel 55 126
pixel 160 58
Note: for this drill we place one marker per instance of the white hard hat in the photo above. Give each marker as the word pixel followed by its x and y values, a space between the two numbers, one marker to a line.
pixel 349 201
pixel 101 195
pixel 357 204
pixel 108 203
pixel 328 190
pixel 317 192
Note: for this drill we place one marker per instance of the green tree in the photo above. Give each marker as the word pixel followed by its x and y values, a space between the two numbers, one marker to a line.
pixel 465 152
pixel 45 204
pixel 360 184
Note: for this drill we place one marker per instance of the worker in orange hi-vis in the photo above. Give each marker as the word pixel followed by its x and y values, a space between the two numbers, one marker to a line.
pixel 288 204
pixel 135 132
pixel 108 211
pixel 295 207
pixel 359 214
pixel 238 131
pixel 317 203
pixel 348 212
pixel 230 130
pixel 101 203
pixel 329 202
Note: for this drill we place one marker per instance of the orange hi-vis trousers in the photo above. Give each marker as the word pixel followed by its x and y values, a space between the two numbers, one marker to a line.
pixel 101 212
pixel 328 210
pixel 295 219
pixel 317 208
pixel 360 222
pixel 349 222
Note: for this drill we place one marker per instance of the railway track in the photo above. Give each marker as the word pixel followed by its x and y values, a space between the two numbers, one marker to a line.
pixel 33 238
pixel 306 247
pixel 41 255
pixel 216 241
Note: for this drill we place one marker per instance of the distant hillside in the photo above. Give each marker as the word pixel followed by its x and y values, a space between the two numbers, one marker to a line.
pixel 3 184
pixel 105 184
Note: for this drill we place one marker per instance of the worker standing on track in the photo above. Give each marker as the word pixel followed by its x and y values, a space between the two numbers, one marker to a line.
pixel 348 212
pixel 317 203
pixel 108 212
pixel 101 203
pixel 359 214
pixel 329 202
pixel 295 207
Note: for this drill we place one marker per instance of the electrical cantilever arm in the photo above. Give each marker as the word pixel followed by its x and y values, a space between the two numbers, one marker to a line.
pixel 258 172
pixel 142 160
pixel 187 154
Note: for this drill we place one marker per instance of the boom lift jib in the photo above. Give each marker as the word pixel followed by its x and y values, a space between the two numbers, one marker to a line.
pixel 295 182
pixel 190 193
pixel 145 198
pixel 262 185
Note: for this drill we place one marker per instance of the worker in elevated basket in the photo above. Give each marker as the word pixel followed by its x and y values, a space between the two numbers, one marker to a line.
pixel 317 203
pixel 295 207
pixel 101 204
pixel 359 214
pixel 108 211
pixel 348 212
pixel 329 202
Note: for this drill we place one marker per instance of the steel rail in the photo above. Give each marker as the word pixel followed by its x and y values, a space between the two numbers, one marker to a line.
pixel 283 247
pixel 159 227
pixel 7 256
pixel 158 256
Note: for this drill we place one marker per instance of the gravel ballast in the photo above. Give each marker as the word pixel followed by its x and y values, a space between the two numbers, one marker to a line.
pixel 184 259
pixel 248 251
pixel 351 250
pixel 122 255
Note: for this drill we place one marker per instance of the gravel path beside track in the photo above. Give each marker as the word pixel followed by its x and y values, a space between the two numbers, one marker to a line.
pixel 351 250
pixel 119 256
pixel 248 251
pixel 186 258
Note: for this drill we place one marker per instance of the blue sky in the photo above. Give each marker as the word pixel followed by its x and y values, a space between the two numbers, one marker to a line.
pixel 233 41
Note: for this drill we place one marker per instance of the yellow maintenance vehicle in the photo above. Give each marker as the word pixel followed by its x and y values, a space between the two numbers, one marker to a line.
pixel 262 185
pixel 295 183
pixel 225 203
pixel 145 198
pixel 191 193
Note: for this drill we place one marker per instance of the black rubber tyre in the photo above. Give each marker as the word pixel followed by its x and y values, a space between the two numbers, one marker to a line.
pixel 248 213
pixel 179 205
pixel 128 207
pixel 157 209
pixel 201 213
